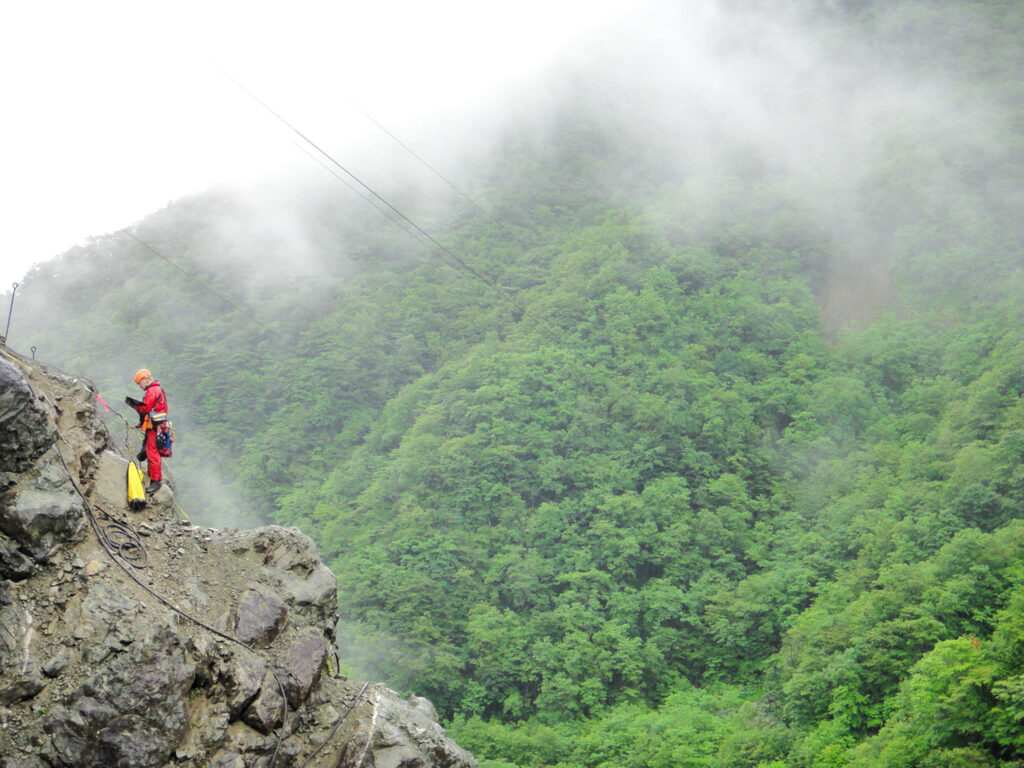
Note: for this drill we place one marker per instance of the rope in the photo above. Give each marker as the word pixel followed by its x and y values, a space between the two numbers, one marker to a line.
pixel 127 426
pixel 16 360
pixel 120 537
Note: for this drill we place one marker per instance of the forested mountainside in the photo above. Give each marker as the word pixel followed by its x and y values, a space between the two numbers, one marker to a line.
pixel 702 446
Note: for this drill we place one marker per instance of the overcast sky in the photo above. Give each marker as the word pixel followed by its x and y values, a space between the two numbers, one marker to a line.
pixel 113 109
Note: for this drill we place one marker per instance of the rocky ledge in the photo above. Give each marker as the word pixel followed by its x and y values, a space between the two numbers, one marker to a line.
pixel 138 640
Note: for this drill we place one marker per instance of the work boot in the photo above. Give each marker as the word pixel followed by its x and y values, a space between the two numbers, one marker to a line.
pixel 154 486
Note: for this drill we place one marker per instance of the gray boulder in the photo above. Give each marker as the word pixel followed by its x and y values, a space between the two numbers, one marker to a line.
pixel 304 661
pixel 44 510
pixel 130 714
pixel 242 676
pixel 25 433
pixel 261 615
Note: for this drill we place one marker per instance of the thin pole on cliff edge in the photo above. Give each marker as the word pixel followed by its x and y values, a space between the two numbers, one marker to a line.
pixel 14 290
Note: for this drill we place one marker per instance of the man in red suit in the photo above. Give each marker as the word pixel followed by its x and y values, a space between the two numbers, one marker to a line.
pixel 153 410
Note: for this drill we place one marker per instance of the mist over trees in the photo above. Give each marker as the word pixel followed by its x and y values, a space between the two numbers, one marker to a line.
pixel 706 447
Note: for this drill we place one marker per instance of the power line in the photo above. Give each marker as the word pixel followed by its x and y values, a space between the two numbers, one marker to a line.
pixel 427 165
pixel 356 191
pixel 551 333
pixel 195 279
pixel 515 235
pixel 440 246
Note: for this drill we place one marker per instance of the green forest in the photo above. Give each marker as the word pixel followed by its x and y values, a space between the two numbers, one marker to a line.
pixel 618 468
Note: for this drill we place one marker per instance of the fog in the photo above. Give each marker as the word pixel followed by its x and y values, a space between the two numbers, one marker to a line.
pixel 708 110
pixel 711 113
pixel 113 110
pixel 805 98
pixel 820 112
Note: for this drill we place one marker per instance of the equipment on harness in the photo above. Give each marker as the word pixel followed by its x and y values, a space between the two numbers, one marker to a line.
pixel 164 438
pixel 153 420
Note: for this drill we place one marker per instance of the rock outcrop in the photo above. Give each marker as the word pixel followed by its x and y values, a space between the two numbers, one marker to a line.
pixel 138 640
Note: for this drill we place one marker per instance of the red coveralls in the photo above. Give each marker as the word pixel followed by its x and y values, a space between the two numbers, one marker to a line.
pixel 153 400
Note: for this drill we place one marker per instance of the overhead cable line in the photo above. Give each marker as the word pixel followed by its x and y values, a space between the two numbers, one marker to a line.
pixel 195 279
pixel 552 334
pixel 385 211
pixel 427 165
pixel 548 331
pixel 503 226
pixel 440 246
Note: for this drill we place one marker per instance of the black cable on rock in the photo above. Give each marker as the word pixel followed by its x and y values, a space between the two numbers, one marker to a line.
pixel 337 725
pixel 119 538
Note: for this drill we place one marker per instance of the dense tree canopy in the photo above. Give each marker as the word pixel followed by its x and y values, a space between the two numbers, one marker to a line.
pixel 660 479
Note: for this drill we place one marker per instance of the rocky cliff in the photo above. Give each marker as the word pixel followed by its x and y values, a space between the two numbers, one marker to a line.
pixel 138 640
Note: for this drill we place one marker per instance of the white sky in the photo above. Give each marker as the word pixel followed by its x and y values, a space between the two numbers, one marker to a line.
pixel 113 109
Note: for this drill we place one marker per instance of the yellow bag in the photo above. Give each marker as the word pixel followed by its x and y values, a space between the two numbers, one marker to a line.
pixel 136 494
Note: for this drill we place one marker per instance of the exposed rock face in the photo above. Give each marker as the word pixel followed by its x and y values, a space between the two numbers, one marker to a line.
pixel 183 647
pixel 132 711
pixel 24 429
pixel 261 614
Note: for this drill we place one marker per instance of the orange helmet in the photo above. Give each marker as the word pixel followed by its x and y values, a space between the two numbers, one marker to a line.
pixel 143 373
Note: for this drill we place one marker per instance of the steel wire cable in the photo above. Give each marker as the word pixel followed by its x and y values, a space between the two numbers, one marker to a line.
pixel 552 334
pixel 195 279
